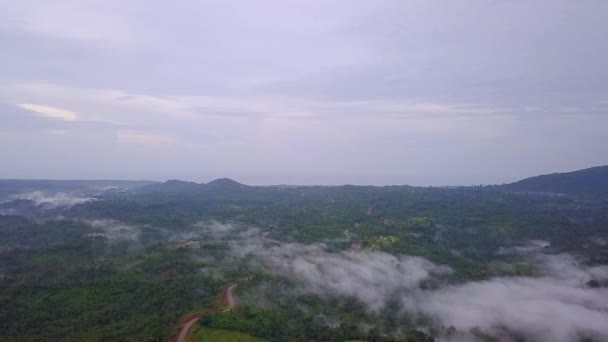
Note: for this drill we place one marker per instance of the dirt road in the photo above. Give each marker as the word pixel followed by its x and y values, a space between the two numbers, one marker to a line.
pixel 226 297
pixel 185 329
pixel 230 297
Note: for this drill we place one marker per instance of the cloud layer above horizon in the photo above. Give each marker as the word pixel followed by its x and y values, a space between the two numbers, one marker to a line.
pixel 303 92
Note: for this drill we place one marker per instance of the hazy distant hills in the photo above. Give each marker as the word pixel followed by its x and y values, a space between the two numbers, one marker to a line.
pixel 591 182
pixel 225 183
pixel 16 186
pixel 178 186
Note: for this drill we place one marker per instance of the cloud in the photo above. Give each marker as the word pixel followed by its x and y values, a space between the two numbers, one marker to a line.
pixel 488 86
pixel 52 201
pixel 50 112
pixel 114 230
pixel 372 277
pixel 555 306
pixel 216 229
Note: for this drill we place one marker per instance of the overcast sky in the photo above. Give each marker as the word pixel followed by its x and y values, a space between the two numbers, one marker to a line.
pixel 303 92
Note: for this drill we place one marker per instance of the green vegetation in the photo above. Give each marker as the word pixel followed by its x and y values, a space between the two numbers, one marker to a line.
pixel 129 265
pixel 589 183
pixel 222 335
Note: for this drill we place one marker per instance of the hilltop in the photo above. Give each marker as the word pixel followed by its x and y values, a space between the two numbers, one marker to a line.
pixel 591 182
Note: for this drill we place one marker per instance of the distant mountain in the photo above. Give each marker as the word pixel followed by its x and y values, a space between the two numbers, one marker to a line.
pixel 178 186
pixel 225 183
pixel 591 182
pixel 588 183
pixel 170 186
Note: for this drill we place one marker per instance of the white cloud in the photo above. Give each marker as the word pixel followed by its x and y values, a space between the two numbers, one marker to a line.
pixel 115 105
pixel 52 201
pixel 388 83
pixel 114 230
pixel 50 112
pixel 555 306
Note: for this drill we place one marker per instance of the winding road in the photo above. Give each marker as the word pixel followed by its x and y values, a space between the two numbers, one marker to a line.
pixel 185 329
pixel 228 298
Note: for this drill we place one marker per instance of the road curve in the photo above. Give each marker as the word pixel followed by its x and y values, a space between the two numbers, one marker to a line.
pixel 229 299
pixel 185 329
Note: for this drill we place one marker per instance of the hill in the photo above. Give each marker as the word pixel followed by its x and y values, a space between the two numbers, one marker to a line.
pixel 591 182
pixel 225 184
pixel 222 185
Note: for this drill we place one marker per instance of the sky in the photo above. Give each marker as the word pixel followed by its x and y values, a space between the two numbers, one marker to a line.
pixel 420 92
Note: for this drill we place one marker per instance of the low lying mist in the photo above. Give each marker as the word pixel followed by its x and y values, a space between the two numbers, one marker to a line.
pixel 53 200
pixel 372 277
pixel 556 305
pixel 114 230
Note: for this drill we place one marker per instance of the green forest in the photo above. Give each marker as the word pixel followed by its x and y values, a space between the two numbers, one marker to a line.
pixel 129 265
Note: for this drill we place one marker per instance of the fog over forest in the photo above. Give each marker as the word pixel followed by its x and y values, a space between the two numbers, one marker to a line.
pixel 304 171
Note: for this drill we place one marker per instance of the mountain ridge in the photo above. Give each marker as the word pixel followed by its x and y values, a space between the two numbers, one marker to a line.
pixel 591 181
